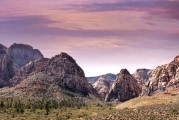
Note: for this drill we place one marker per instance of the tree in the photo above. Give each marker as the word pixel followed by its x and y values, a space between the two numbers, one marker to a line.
pixel 47 107
pixel 2 104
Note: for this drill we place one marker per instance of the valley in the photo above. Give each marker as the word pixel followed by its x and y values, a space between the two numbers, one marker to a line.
pixel 38 88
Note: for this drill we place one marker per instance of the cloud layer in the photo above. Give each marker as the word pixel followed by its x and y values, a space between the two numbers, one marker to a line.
pixel 102 35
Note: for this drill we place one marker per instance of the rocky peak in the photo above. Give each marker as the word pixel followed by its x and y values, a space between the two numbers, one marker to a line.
pixel 57 78
pixel 22 54
pixel 68 74
pixel 16 56
pixel 124 72
pixel 125 87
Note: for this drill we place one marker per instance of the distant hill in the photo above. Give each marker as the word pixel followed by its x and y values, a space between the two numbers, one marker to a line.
pixel 108 76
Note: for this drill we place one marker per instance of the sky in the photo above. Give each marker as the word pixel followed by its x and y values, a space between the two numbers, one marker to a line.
pixel 103 36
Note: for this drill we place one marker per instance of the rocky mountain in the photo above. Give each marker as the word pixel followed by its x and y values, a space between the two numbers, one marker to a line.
pixel 124 88
pixel 102 85
pixel 59 78
pixel 163 78
pixel 14 57
pixel 22 54
pixel 108 76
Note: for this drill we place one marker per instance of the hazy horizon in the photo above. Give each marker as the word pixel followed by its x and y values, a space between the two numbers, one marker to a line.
pixel 102 36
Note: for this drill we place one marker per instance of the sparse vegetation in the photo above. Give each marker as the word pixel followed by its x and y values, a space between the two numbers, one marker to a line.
pixel 46 109
pixel 43 109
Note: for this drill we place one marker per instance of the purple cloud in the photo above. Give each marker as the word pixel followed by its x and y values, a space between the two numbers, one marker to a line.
pixel 162 8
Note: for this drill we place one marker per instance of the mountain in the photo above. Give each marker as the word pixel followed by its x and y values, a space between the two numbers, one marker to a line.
pixel 124 88
pixel 57 78
pixel 163 78
pixel 102 85
pixel 14 57
pixel 108 76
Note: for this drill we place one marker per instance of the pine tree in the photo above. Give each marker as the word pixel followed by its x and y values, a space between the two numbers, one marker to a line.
pixel 2 104
pixel 47 107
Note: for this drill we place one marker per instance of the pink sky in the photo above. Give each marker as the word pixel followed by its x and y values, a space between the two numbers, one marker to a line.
pixel 103 36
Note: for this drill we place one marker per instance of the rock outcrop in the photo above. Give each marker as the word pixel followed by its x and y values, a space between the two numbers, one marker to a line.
pixel 163 77
pixel 124 88
pixel 102 85
pixel 22 54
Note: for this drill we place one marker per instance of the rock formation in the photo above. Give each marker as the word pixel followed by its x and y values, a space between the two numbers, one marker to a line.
pixel 22 54
pixel 102 85
pixel 54 78
pixel 164 77
pixel 11 59
pixel 69 74
pixel 124 88
pixel 3 50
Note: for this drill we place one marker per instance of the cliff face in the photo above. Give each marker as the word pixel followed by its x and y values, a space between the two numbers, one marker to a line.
pixel 163 78
pixel 124 88
pixel 3 51
pixel 22 54
pixel 14 57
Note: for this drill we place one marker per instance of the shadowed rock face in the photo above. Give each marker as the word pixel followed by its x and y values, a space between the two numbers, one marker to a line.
pixel 3 50
pixel 13 58
pixel 142 75
pixel 163 78
pixel 124 88
pixel 22 54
